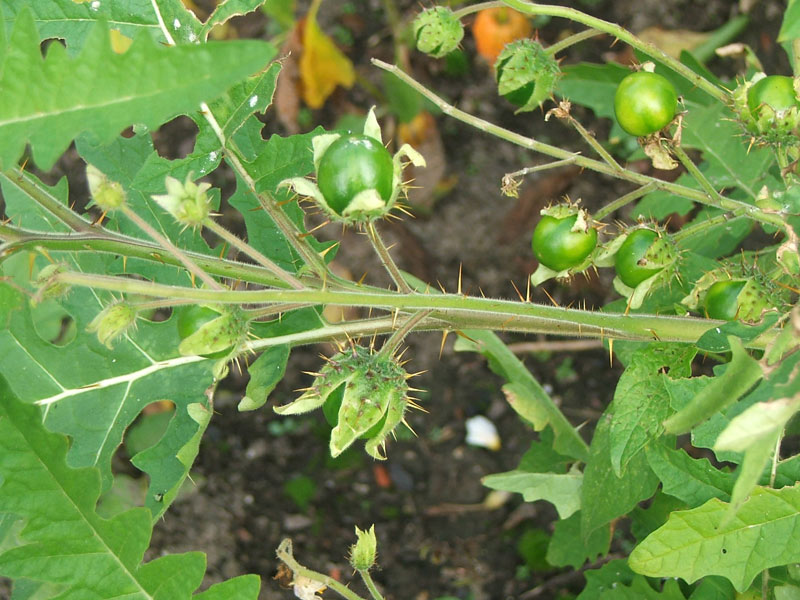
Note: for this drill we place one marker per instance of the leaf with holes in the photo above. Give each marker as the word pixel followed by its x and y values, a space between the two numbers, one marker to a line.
pixel 49 101
pixel 64 543
pixel 760 536
pixel 93 393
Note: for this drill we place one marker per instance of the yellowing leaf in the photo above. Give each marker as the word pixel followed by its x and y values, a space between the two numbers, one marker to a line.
pixel 119 42
pixel 322 65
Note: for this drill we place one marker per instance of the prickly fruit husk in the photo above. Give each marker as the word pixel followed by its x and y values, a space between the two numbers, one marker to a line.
pixel 437 31
pixel 375 391
pixel 526 74
pixel 765 124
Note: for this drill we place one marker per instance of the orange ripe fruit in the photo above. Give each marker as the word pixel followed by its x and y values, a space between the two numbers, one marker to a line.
pixel 495 27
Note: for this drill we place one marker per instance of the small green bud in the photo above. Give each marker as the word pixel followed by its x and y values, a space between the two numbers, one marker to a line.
pixel 113 321
pixel 187 201
pixel 437 31
pixel 364 551
pixel 222 334
pixel 106 194
pixel 48 287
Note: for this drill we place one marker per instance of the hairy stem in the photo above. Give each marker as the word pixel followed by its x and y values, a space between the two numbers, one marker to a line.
pixel 386 258
pixel 284 554
pixel 171 248
pixel 571 40
pixel 452 311
pixel 592 141
pixel 611 207
pixel 679 190
pixel 42 196
pixel 247 249
pixel 373 589
pixel 102 240
pixel 398 336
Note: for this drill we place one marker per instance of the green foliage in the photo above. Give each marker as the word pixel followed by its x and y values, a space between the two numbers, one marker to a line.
pixel 50 101
pixel 759 537
pixel 64 543
pixel 717 508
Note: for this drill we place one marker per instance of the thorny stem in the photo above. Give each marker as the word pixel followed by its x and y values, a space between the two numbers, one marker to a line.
pixel 373 589
pixel 170 247
pixel 697 174
pixel 613 29
pixel 246 248
pixel 592 141
pixel 452 311
pixel 284 553
pixel 102 240
pixel 386 258
pixel 623 201
pixel 398 336
pixel 571 40
pixel 679 190
pixel 18 178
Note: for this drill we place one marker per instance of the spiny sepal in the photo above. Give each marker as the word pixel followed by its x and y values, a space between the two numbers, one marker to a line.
pixel 437 31
pixel 363 205
pixel 371 391
pixel 762 122
pixel 526 74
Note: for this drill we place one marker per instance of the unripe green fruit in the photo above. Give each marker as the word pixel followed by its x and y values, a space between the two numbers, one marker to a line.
pixel 630 255
pixel 645 103
pixel 353 164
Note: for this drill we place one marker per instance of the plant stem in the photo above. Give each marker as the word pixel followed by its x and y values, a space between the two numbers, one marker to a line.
pixel 267 201
pixel 289 231
pixel 170 247
pixel 42 196
pixel 386 258
pixel 551 165
pixel 284 553
pixel 571 40
pixel 623 201
pixel 679 190
pixel 592 141
pixel 452 311
pixel 391 345
pixel 697 174
pixel 692 230
pixel 376 595
pixel 246 248
pixel 277 309
pixel 102 240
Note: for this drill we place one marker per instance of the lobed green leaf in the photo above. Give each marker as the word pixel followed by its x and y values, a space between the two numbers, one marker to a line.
pixel 699 542
pixel 64 543
pixel 50 101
